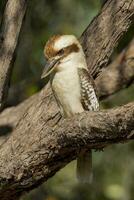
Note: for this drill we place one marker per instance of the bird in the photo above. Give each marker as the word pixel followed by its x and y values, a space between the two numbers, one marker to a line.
pixel 73 87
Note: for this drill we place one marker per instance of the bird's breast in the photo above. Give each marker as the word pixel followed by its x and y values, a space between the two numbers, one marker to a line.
pixel 66 86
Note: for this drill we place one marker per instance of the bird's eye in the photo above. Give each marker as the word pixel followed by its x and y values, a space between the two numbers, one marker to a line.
pixel 61 52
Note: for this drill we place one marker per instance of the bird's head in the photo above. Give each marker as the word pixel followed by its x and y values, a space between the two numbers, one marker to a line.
pixel 59 50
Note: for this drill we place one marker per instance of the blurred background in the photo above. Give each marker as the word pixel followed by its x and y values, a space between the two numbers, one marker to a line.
pixel 113 168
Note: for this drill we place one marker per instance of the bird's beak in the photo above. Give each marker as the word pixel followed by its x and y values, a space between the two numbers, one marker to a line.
pixel 49 67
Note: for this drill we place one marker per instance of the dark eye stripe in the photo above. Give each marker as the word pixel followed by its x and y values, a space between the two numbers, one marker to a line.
pixel 71 48
pixel 67 50
pixel 60 52
pixel 49 52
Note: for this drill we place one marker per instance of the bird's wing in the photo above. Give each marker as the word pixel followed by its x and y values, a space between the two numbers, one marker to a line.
pixel 88 92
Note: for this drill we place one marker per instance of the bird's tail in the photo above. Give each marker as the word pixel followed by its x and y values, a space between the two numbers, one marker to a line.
pixel 84 167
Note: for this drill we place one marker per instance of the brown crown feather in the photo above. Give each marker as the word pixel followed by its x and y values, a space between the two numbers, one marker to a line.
pixel 49 50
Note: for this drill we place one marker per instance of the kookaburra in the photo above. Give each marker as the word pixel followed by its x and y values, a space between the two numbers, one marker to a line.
pixel 72 85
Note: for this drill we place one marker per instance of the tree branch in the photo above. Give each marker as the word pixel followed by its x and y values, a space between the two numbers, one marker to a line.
pixel 11 25
pixel 39 146
pixel 105 31
pixel 118 75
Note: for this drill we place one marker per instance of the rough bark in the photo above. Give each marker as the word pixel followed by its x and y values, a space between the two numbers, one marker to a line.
pixel 34 146
pixel 104 33
pixel 118 75
pixel 39 146
pixel 10 29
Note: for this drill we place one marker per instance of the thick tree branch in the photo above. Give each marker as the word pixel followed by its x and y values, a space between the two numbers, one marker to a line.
pixel 39 146
pixel 11 25
pixel 103 34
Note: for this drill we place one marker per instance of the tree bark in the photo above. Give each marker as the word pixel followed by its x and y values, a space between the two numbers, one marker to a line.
pixel 39 146
pixel 10 30
pixel 104 33
pixel 118 75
